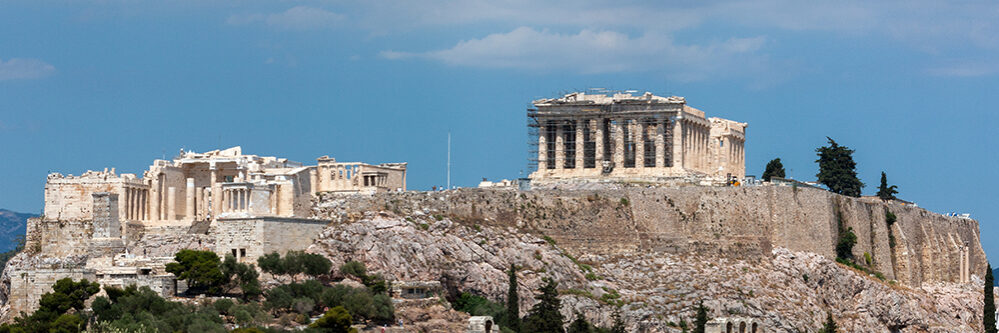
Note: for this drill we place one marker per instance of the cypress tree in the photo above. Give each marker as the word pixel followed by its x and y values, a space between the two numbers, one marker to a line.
pixel 512 302
pixel 580 325
pixel 830 326
pixel 545 317
pixel 989 321
pixel 837 170
pixel 886 192
pixel 774 169
pixel 701 320
pixel 618 323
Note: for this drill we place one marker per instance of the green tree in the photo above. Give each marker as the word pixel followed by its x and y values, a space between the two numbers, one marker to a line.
pixel 544 316
pixel 67 294
pixel 619 324
pixel 512 302
pixel 336 320
pixel 989 321
pixel 354 268
pixel 701 320
pixel 886 192
pixel 242 276
pixel 837 170
pixel 844 247
pixel 271 263
pixel 830 325
pixel 774 169
pixel 580 325
pixel 200 269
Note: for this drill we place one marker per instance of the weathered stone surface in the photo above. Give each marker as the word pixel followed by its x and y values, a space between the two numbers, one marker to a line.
pixel 736 222
pixel 655 288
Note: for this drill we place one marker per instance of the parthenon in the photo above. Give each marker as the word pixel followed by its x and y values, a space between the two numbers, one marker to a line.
pixel 606 136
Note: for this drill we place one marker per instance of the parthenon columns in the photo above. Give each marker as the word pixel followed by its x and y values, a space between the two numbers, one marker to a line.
pixel 599 154
pixel 618 153
pixel 559 146
pixel 639 139
pixel 580 150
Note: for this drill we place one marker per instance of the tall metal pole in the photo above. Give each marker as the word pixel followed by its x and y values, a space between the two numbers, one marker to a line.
pixel 448 160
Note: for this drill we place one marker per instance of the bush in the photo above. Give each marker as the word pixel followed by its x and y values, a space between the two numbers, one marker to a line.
pixel 336 320
pixel 294 263
pixel 844 247
pixel 201 269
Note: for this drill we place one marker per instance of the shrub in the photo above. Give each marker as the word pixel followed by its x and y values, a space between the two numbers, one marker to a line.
pixel 200 269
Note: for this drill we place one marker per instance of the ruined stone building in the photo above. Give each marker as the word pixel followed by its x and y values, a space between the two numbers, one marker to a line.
pixel 98 225
pixel 600 136
pixel 216 185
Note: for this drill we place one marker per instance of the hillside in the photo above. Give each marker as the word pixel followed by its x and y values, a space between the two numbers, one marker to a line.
pixel 12 225
pixel 765 252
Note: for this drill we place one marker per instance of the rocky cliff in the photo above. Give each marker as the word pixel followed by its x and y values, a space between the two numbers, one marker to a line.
pixel 733 222
pixel 764 252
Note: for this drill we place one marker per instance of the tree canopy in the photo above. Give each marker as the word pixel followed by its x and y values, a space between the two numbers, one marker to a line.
pixel 830 325
pixel 544 316
pixel 774 169
pixel 294 263
pixel 512 301
pixel 990 305
pixel 701 320
pixel 837 170
pixel 886 192
pixel 201 269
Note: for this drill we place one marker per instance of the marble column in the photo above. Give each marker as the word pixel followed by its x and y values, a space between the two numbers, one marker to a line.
pixel 559 145
pixel 542 146
pixel 154 201
pixel 580 144
pixel 639 136
pixel 660 141
pixel 189 203
pixel 599 140
pixel 618 154
pixel 171 210
pixel 216 197
pixel 677 143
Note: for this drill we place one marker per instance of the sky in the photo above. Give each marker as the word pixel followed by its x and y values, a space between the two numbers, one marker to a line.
pixel 910 85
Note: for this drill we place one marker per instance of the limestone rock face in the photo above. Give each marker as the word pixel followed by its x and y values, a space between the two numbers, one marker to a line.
pixel 789 291
pixel 733 222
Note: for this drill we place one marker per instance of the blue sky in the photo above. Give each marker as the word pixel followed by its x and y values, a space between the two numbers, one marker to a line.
pixel 910 85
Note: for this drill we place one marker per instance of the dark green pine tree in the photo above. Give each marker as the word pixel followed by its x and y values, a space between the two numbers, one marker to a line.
pixel 990 305
pixel 545 317
pixel 830 326
pixel 837 170
pixel 618 323
pixel 886 192
pixel 580 325
pixel 512 302
pixel 774 169
pixel 701 320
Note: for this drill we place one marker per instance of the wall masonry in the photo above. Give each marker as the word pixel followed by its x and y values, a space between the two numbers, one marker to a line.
pixel 741 222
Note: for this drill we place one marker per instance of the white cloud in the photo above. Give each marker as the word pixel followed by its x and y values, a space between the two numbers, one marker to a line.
pixel 296 18
pixel 591 51
pixel 24 68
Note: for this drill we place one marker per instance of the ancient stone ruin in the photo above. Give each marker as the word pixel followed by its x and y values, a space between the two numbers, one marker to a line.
pixel 620 136
pixel 120 229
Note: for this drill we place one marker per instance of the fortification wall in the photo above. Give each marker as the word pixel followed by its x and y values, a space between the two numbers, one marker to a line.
pixel 253 238
pixel 737 222
pixel 27 287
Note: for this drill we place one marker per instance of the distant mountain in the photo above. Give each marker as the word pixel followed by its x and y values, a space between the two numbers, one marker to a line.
pixel 12 225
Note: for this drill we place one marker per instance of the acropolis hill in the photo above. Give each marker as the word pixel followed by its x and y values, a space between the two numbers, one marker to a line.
pixel 630 207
